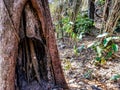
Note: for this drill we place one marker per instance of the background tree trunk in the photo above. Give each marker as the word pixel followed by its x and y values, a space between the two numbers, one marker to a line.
pixel 28 24
pixel 113 18
pixel 76 8
pixel 91 9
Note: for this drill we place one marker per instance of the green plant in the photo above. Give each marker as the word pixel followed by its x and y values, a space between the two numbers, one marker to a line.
pixel 68 65
pixel 115 77
pixel 67 25
pixel 105 49
pixel 101 2
pixel 82 25
pixel 75 50
pixel 75 29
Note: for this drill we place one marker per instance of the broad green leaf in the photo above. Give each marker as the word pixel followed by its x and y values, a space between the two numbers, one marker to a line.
pixel 106 41
pixel 90 45
pixel 115 47
pixel 81 35
pixel 109 54
pixel 98 59
pixel 102 35
pixel 115 77
pixel 115 37
pixel 99 51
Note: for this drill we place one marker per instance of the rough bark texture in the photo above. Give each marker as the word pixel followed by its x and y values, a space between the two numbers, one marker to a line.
pixel 8 46
pixel 106 11
pixel 27 35
pixel 113 18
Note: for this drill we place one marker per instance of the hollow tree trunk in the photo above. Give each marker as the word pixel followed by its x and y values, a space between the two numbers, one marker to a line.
pixel 29 57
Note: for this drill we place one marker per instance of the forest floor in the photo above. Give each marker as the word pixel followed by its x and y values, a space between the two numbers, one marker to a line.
pixel 80 71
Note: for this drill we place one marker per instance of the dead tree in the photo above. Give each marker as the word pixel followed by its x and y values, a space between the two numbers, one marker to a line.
pixel 29 57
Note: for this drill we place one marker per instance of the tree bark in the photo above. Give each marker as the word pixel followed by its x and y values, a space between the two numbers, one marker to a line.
pixel 106 11
pixel 27 42
pixel 113 18
pixel 8 46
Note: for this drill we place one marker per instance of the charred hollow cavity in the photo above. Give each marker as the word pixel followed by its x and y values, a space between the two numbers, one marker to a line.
pixel 31 65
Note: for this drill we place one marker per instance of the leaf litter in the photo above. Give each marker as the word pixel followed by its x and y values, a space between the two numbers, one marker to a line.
pixel 81 72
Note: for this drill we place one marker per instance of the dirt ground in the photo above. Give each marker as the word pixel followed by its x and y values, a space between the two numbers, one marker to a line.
pixel 80 70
